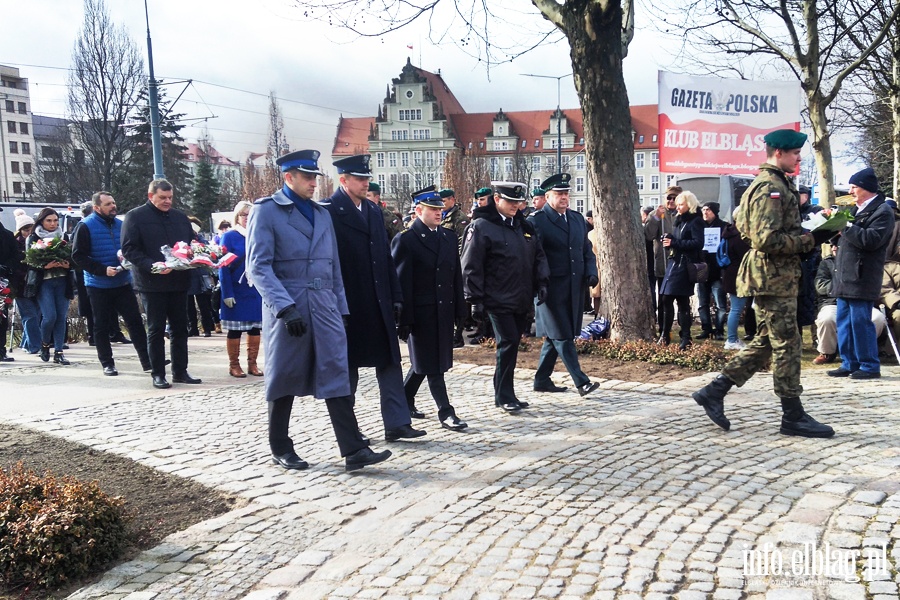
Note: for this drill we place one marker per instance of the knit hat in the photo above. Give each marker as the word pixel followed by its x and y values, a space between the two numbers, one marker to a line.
pixel 22 219
pixel 713 206
pixel 865 179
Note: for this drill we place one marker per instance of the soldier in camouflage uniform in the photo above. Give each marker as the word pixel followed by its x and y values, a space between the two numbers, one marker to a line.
pixel 392 223
pixel 453 217
pixel 769 218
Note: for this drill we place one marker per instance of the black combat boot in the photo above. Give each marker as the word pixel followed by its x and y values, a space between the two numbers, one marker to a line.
pixel 712 399
pixel 795 421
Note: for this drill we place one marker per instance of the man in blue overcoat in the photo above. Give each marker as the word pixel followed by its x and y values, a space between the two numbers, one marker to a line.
pixel 427 260
pixel 563 235
pixel 373 292
pixel 292 260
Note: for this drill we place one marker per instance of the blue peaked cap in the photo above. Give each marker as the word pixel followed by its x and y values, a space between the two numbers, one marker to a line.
pixel 428 197
pixel 301 160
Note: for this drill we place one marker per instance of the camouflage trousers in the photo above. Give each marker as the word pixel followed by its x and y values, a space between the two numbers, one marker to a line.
pixel 777 338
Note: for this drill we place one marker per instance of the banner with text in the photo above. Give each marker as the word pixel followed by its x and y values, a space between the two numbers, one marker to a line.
pixel 712 125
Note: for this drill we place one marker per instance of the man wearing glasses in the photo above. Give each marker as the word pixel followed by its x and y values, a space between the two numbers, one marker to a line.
pixel 504 268
pixel 660 223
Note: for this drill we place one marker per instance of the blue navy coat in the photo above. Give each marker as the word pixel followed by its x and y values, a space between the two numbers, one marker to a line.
pixel 571 260
pixel 290 261
pixel 247 301
pixel 370 281
pixel 431 281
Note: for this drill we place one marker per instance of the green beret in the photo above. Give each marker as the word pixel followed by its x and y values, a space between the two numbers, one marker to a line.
pixel 485 191
pixel 446 193
pixel 374 187
pixel 538 192
pixel 785 139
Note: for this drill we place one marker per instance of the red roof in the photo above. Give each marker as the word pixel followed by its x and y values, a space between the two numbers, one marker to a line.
pixel 442 92
pixel 526 125
pixel 645 122
pixel 352 136
pixel 194 153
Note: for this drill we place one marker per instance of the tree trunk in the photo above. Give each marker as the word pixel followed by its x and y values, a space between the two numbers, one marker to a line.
pixel 594 31
pixel 822 147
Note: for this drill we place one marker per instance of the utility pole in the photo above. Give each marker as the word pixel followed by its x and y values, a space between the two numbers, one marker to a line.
pixel 153 95
pixel 558 115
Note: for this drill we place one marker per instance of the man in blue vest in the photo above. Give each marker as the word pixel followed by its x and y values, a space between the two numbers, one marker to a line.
pixel 97 240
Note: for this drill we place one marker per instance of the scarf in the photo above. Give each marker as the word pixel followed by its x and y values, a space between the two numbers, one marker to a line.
pixel 47 235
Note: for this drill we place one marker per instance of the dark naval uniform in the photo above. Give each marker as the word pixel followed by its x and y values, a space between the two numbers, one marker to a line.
pixel 571 262
pixel 503 267
pixel 431 280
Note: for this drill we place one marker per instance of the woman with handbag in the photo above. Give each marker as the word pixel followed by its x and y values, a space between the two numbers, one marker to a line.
pixel 56 288
pixel 683 268
pixel 241 308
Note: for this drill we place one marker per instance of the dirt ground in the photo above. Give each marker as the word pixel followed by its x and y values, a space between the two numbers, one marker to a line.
pixel 159 504
pixel 593 366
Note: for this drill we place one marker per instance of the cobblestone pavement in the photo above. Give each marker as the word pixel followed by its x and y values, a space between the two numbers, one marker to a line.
pixel 630 493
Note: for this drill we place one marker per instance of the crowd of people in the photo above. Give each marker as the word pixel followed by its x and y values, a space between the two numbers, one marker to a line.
pixel 332 287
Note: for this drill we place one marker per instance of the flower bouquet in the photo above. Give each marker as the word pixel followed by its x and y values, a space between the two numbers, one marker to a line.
pixel 836 221
pixel 43 252
pixel 5 293
pixel 183 256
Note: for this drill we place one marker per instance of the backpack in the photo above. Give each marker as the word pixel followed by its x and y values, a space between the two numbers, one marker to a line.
pixel 597 329
pixel 722 257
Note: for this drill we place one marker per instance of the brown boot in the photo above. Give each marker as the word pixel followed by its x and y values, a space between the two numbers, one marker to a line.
pixel 234 354
pixel 252 353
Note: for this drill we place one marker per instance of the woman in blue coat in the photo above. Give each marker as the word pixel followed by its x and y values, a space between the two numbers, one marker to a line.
pixel 241 304
pixel 683 246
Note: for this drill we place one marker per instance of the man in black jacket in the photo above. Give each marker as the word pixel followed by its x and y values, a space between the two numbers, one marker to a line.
pixel 504 267
pixel 147 228
pixel 8 257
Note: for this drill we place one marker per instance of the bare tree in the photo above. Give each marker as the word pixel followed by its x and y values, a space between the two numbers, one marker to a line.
pixel 466 170
pixel 106 78
pixel 807 38
pixel 256 182
pixel 277 144
pixel 598 33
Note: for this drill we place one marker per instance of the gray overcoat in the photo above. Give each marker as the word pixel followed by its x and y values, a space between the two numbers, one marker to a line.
pixel 291 262
pixel 571 260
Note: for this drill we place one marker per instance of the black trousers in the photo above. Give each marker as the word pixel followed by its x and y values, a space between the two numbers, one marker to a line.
pixel 171 306
pixel 203 301
pixel 343 421
pixel 108 302
pixel 438 391
pixel 508 330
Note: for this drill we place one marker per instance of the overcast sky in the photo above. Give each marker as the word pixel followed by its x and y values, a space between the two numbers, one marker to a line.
pixel 317 72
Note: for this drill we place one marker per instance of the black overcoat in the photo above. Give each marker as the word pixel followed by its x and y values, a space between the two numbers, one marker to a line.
pixel 370 281
pixel 431 281
pixel 686 247
pixel 571 260
pixel 862 250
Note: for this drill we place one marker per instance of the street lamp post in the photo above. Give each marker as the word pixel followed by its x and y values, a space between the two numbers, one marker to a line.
pixel 558 78
pixel 152 96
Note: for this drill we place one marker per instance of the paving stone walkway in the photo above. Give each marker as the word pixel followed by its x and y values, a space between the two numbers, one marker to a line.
pixel 628 494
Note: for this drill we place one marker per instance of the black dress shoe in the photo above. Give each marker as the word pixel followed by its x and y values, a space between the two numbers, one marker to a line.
pixel 290 461
pixel 364 458
pixel 522 404
pixel 454 423
pixel 160 383
pixel 839 372
pixel 6 358
pixel 415 413
pixel 549 387
pixel 865 374
pixel 45 353
pixel 588 387
pixel 60 358
pixel 186 378
pixel 110 371
pixel 510 407
pixel 402 432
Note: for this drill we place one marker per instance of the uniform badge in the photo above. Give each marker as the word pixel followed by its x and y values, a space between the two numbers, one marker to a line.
pixel 528 235
pixel 775 195
pixel 469 234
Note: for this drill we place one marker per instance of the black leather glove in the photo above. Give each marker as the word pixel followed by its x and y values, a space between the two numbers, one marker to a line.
pixel 541 295
pixel 398 309
pixel 478 312
pixel 822 236
pixel 592 280
pixel 293 321
pixel 403 332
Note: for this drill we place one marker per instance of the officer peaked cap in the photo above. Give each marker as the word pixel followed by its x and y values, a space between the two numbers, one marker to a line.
pixel 557 183
pixel 427 197
pixel 510 190
pixel 358 165
pixel 305 161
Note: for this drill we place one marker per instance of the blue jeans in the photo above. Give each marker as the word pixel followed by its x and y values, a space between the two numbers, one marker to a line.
pixel 738 303
pixel 706 294
pixel 54 311
pixel 857 342
pixel 30 313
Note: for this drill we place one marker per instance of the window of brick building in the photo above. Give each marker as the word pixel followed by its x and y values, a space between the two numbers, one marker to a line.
pixel 14 147
pixel 23 128
pixel 11 126
pixel 14 166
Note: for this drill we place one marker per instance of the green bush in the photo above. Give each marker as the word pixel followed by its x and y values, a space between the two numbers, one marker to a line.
pixel 701 357
pixel 55 529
